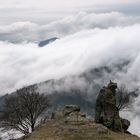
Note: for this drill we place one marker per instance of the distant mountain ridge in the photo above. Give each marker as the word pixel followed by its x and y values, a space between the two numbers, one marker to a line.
pixel 46 42
pixel 67 90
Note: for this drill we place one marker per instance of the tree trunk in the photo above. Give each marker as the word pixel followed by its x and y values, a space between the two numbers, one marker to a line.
pixel 32 127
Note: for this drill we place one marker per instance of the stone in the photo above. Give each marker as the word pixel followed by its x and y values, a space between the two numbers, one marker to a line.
pixel 68 109
pixel 125 124
pixel 106 111
pixel 101 129
pixel 70 114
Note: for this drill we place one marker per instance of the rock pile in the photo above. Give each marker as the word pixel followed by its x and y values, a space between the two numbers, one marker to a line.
pixel 70 114
pixel 72 120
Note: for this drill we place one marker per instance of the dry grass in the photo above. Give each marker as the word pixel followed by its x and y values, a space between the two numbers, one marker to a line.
pixel 55 131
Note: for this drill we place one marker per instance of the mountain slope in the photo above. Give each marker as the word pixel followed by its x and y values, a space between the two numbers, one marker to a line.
pixel 79 90
pixel 52 130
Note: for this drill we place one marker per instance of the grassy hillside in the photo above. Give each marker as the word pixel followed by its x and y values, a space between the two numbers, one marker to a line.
pixel 52 130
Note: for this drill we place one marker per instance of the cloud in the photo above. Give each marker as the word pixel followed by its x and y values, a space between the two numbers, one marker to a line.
pixel 26 63
pixel 44 11
pixel 19 32
pixel 29 31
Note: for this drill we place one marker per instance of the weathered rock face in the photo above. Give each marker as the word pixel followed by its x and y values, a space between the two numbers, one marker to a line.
pixel 106 110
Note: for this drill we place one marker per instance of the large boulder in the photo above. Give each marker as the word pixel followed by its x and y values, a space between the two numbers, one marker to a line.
pixel 70 114
pixel 106 111
pixel 68 109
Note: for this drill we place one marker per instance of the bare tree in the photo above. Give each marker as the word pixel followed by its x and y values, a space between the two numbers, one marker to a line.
pixel 122 97
pixel 22 110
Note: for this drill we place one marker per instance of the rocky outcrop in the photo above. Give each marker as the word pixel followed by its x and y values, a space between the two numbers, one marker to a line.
pixel 106 111
pixel 70 114
pixel 58 129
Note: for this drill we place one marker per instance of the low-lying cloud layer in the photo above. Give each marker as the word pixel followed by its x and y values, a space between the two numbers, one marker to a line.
pixel 28 31
pixel 23 64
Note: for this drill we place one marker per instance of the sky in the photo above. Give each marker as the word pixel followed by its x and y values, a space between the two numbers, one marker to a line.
pixel 43 11
pixel 50 3
pixel 92 34
pixel 62 3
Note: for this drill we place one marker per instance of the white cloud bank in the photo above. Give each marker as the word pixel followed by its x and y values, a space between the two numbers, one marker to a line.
pixel 23 64
pixel 28 31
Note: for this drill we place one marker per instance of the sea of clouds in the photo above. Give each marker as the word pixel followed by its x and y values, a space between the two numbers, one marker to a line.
pixel 86 41
pixel 28 31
